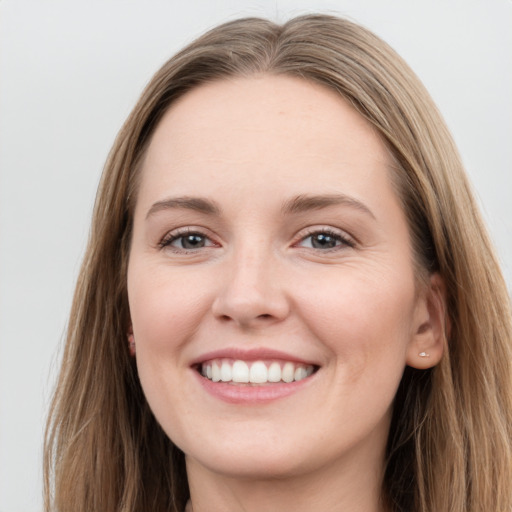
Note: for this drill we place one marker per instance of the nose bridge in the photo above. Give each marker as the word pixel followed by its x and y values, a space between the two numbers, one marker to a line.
pixel 253 273
pixel 251 290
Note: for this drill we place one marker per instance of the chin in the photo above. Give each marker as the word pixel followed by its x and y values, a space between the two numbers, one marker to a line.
pixel 253 465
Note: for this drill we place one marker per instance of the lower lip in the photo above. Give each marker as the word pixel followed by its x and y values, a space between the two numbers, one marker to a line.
pixel 251 394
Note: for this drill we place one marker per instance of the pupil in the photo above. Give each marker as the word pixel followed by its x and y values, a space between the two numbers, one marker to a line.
pixel 192 241
pixel 323 241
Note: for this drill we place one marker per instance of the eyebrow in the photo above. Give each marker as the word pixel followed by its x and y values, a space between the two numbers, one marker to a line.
pixel 305 203
pixel 197 204
pixel 299 204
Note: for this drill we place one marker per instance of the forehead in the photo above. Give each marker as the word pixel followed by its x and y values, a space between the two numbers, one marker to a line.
pixel 260 130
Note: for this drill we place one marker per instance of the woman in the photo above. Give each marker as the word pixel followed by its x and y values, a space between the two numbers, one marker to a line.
pixel 289 301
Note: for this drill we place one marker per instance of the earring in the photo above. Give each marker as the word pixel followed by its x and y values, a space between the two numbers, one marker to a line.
pixel 424 354
pixel 131 342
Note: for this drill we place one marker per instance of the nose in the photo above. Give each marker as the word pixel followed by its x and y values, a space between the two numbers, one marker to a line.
pixel 252 292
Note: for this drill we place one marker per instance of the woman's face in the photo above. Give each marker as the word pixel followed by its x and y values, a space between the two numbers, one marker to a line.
pixel 269 246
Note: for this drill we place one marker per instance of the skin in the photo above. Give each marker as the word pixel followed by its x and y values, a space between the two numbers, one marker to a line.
pixel 252 145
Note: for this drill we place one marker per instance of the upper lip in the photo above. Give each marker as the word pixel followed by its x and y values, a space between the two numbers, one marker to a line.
pixel 253 354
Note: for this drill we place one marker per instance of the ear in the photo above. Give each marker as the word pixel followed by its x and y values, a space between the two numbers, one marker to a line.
pixel 430 327
pixel 131 341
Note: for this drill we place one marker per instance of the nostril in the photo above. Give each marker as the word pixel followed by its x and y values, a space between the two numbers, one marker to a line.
pixel 247 308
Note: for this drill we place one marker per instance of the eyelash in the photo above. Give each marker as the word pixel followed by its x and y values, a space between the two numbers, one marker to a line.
pixel 344 240
pixel 182 233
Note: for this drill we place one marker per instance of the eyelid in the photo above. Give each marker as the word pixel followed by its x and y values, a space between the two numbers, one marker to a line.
pixel 341 235
pixel 346 239
pixel 175 234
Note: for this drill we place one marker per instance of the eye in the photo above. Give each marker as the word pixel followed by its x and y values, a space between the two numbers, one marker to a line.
pixel 186 241
pixel 191 241
pixel 325 240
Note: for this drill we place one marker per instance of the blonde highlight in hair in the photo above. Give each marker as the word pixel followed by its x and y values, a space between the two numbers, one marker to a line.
pixel 450 445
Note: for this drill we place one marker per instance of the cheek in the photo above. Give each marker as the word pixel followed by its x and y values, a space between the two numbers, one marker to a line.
pixel 165 306
pixel 166 310
pixel 364 318
pixel 366 323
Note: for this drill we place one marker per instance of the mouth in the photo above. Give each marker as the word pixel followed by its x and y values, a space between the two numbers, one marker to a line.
pixel 254 373
pixel 248 377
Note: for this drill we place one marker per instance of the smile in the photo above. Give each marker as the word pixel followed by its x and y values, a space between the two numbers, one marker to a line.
pixel 237 371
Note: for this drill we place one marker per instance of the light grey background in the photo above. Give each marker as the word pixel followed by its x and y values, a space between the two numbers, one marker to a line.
pixel 70 71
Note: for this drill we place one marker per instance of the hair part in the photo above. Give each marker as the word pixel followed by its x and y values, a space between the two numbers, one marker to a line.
pixel 451 434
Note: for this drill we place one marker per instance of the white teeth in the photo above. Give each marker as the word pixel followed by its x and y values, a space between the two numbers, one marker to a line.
pixel 240 372
pixel 274 372
pixel 258 372
pixel 215 372
pixel 225 372
pixel 288 372
pixel 300 373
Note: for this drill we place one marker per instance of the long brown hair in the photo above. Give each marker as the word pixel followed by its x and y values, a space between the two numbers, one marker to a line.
pixel 450 446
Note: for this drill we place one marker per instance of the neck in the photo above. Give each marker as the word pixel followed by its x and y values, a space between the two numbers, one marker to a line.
pixel 335 487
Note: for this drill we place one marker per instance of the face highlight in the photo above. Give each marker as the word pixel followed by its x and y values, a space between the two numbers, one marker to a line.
pixel 271 281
